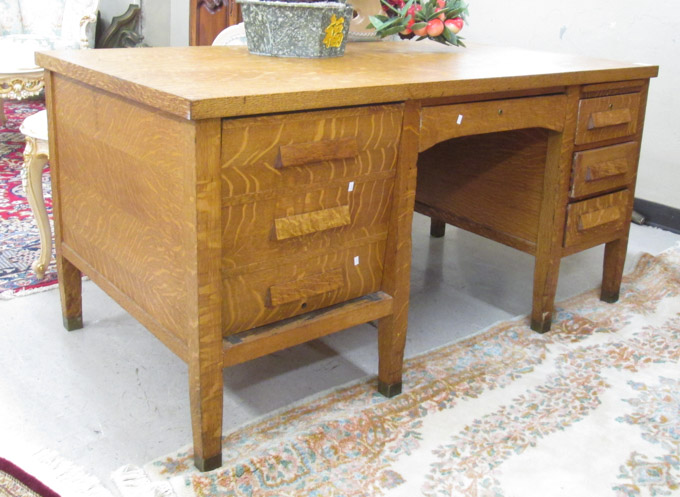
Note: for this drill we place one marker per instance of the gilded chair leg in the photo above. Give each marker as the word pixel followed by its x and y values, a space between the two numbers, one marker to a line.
pixel 35 158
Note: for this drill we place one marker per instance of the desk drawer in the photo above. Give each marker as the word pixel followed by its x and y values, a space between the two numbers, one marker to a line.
pixel 607 118
pixel 443 122
pixel 255 298
pixel 597 219
pixel 285 151
pixel 603 169
pixel 309 219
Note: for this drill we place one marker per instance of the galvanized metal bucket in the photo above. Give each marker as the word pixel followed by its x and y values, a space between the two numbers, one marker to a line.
pixel 296 29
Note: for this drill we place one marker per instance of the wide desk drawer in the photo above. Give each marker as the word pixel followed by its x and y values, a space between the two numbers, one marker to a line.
pixel 607 118
pixel 597 220
pixel 289 223
pixel 443 122
pixel 266 153
pixel 603 169
pixel 255 296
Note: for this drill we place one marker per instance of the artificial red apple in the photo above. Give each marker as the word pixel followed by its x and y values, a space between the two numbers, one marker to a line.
pixel 435 27
pixel 421 32
pixel 454 25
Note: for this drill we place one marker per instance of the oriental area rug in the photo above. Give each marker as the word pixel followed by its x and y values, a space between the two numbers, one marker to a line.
pixel 591 408
pixel 15 482
pixel 19 238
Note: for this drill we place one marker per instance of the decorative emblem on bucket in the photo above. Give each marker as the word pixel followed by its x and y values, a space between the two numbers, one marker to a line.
pixel 334 32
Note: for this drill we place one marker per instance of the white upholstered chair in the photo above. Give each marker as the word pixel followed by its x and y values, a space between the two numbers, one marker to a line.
pixel 27 26
pixel 232 35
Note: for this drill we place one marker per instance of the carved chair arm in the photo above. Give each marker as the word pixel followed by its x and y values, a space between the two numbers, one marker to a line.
pixel 88 25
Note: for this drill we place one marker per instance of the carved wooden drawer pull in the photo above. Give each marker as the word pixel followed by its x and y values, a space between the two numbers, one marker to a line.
pixel 609 118
pixel 299 154
pixel 593 219
pixel 306 287
pixel 607 169
pixel 311 222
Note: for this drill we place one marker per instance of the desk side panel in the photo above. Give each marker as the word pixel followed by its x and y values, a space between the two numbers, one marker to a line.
pixel 121 179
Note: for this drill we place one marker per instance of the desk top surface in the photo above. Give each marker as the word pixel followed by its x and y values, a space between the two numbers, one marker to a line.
pixel 210 82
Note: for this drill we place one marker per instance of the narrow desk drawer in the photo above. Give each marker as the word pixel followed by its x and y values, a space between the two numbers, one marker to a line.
pixel 443 122
pixel 591 220
pixel 285 151
pixel 603 169
pixel 260 297
pixel 606 118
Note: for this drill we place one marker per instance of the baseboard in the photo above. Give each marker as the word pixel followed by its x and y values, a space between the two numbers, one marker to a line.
pixel 658 215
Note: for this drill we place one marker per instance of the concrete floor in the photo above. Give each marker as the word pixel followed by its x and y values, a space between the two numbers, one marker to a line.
pixel 111 394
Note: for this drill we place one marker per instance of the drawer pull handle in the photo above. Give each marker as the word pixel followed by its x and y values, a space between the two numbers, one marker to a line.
pixel 594 219
pixel 306 287
pixel 311 222
pixel 298 154
pixel 606 169
pixel 609 118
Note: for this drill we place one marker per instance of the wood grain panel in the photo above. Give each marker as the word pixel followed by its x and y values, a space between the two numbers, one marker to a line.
pixel 136 181
pixel 604 216
pixel 494 182
pixel 444 122
pixel 311 222
pixel 247 298
pixel 250 147
pixel 603 169
pixel 607 118
pixel 303 288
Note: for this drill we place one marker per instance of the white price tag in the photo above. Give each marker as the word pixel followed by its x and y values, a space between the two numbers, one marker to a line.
pixel 350 187
pixel 356 260
pixel 460 119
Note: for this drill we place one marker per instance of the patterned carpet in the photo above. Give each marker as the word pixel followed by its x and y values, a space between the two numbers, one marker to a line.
pixel 19 239
pixel 591 408
pixel 15 482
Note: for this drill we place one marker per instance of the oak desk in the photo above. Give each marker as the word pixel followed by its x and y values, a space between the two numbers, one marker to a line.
pixel 237 204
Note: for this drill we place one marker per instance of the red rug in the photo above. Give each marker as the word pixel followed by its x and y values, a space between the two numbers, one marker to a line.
pixel 19 238
pixel 15 482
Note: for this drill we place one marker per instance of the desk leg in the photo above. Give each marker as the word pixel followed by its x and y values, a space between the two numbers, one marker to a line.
pixel 614 259
pixel 397 272
pixel 392 328
pixel 553 217
pixel 70 291
pixel 546 272
pixel 437 228
pixel 204 303
pixel 206 397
